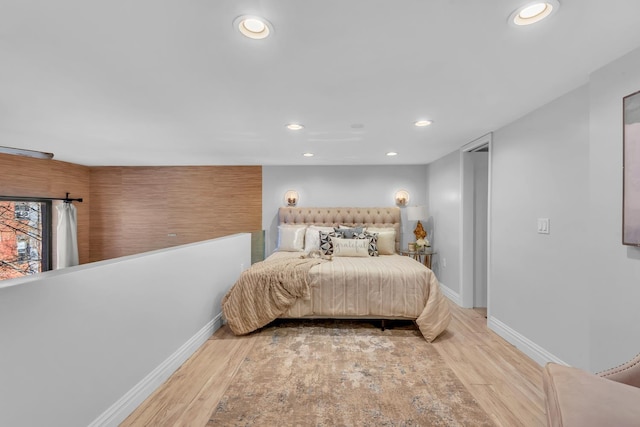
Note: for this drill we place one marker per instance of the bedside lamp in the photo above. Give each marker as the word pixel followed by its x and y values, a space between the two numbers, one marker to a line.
pixel 416 213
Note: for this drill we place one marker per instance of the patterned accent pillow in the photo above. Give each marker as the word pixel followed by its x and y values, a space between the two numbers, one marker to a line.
pixel 326 245
pixel 349 232
pixel 373 243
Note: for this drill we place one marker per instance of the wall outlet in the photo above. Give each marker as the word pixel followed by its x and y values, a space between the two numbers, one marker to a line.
pixel 543 225
pixel 444 263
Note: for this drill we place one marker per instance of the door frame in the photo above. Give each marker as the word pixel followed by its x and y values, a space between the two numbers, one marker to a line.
pixel 467 228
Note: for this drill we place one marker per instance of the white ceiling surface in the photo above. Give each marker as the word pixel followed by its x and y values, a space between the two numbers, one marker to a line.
pixel 171 82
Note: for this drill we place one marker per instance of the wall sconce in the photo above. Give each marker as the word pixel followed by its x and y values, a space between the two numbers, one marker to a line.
pixel 291 197
pixel 402 197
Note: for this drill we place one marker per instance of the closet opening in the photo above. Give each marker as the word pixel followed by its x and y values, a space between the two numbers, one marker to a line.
pixel 476 219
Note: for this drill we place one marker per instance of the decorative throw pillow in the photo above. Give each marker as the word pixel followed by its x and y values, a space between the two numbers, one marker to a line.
pixel 350 247
pixel 326 245
pixel 373 243
pixel 312 237
pixel 348 232
pixel 291 238
pixel 386 240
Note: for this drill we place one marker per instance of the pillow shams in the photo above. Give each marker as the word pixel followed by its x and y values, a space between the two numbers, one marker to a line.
pixel 291 238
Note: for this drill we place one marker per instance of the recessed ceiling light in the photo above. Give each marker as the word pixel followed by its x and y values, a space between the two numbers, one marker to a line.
pixel 533 12
pixel 254 27
pixel 422 123
pixel 392 153
pixel 308 154
pixel 295 126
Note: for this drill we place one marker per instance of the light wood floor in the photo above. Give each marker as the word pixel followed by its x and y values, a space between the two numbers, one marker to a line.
pixel 505 382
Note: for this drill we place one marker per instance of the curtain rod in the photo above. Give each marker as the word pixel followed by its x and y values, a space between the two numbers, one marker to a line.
pixel 22 198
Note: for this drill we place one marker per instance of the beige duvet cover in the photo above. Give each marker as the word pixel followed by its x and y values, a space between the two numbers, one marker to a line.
pixel 388 286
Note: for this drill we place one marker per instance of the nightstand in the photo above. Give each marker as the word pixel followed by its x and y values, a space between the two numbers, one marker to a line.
pixel 423 256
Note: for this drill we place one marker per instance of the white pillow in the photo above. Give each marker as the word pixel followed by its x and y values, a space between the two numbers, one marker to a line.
pixel 291 238
pixel 350 247
pixel 312 237
pixel 386 240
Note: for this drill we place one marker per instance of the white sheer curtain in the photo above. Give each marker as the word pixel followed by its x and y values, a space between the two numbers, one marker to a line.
pixel 67 240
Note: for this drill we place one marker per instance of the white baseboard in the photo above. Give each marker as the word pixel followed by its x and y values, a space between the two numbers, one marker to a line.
pixel 522 343
pixel 453 296
pixel 120 410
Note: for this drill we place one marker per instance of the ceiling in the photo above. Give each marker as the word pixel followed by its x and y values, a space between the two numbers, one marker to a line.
pixel 171 82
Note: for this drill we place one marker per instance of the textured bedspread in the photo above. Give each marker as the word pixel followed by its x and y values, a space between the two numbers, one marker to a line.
pixel 389 286
pixel 265 291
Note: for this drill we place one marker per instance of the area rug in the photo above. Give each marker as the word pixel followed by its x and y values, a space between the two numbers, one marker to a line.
pixel 345 373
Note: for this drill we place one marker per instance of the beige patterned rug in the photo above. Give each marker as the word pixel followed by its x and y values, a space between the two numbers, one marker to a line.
pixel 345 373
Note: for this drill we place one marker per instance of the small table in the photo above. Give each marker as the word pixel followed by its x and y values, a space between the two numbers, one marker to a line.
pixel 423 256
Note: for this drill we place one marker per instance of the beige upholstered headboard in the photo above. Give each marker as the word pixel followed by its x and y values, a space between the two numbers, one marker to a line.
pixel 332 217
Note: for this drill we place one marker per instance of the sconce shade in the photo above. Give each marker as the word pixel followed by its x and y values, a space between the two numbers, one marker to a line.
pixel 291 198
pixel 416 213
pixel 402 197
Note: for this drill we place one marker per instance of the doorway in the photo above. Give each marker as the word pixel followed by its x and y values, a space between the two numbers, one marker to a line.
pixel 476 220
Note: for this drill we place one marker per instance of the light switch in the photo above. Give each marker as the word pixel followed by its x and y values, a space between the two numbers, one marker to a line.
pixel 543 225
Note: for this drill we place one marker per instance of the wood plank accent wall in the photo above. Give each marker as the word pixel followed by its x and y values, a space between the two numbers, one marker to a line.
pixel 136 209
pixel 128 210
pixel 28 177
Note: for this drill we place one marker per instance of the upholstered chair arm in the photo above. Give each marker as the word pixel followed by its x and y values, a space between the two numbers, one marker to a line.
pixel 576 398
pixel 627 373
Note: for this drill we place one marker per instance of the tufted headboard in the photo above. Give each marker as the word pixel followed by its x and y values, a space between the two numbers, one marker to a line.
pixel 332 217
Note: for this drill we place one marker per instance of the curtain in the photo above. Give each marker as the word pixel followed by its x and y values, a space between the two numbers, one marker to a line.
pixel 67 244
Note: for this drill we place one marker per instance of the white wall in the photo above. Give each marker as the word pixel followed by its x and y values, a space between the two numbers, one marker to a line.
pixel 75 341
pixel 539 285
pixel 571 295
pixel 336 186
pixel 443 207
pixel 614 292
pixel 571 173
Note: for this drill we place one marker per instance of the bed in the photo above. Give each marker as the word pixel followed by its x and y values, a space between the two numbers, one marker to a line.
pixel 366 280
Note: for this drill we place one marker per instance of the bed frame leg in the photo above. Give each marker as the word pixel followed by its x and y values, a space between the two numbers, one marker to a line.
pixel 383 324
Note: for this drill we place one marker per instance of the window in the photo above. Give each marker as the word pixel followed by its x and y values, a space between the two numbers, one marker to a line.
pixel 22 247
pixel 22 210
pixel 25 237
